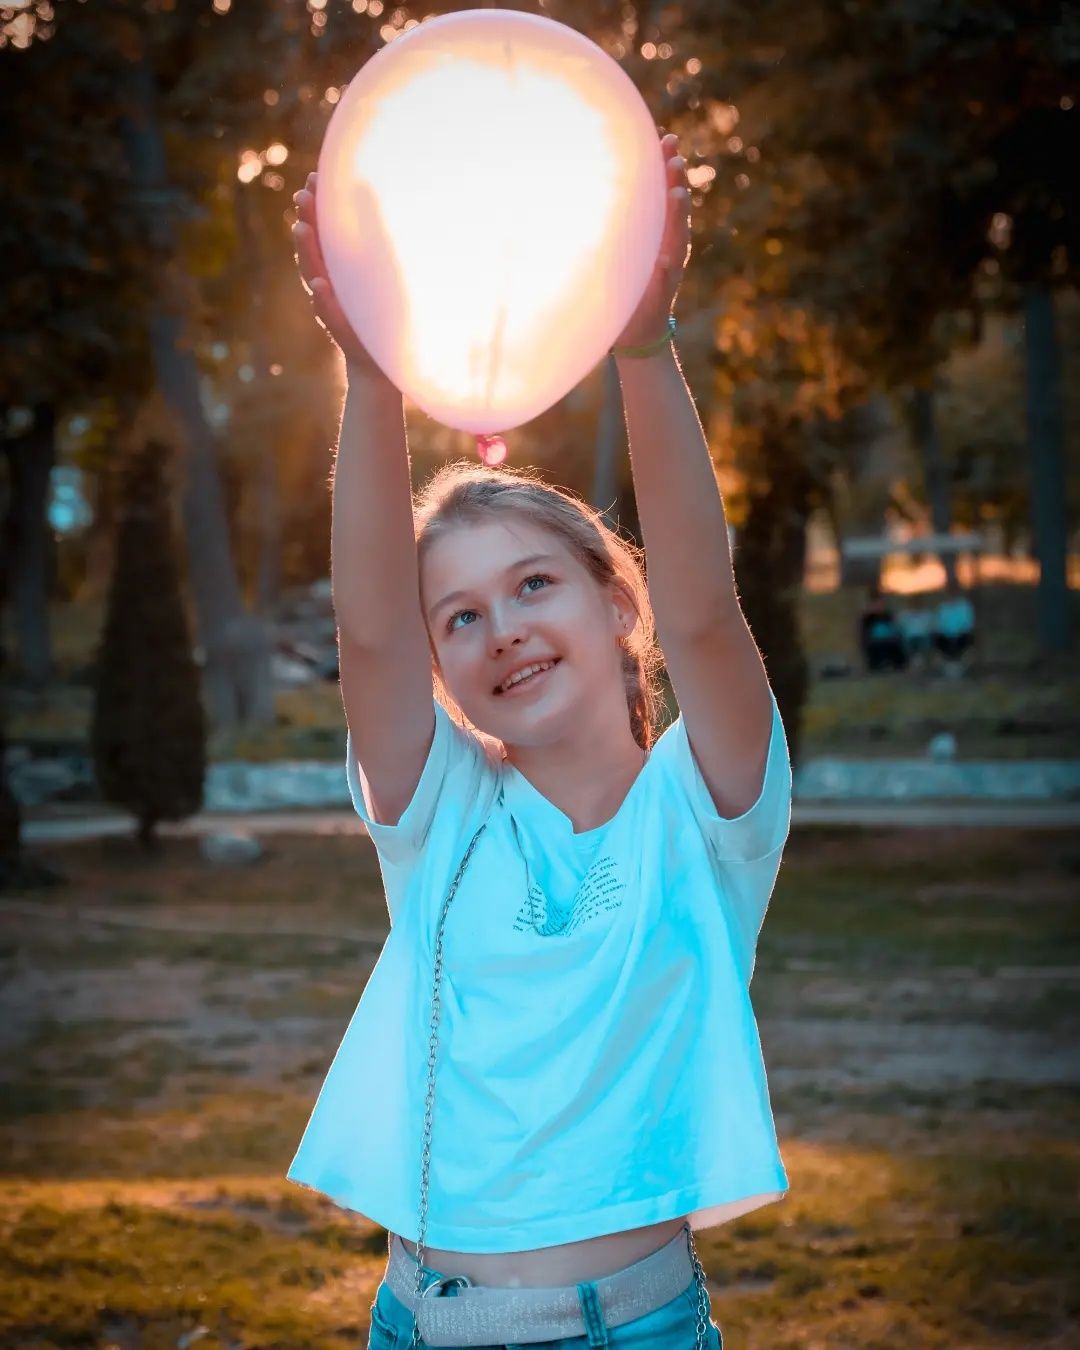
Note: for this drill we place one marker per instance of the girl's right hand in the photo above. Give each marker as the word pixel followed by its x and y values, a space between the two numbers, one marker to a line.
pixel 312 268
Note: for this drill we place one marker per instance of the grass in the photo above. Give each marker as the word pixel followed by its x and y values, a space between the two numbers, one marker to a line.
pixel 1014 704
pixel 167 1025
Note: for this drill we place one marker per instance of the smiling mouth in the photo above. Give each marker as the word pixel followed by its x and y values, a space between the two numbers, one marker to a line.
pixel 528 681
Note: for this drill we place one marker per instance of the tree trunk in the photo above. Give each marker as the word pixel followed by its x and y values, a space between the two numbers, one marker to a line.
pixel 871 431
pixel 147 837
pixel 609 444
pixel 268 564
pixel 770 563
pixel 237 675
pixel 935 478
pixel 10 815
pixel 18 870
pixel 27 543
pixel 1047 458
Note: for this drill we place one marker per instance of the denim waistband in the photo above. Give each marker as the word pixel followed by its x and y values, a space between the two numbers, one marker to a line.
pixel 468 1315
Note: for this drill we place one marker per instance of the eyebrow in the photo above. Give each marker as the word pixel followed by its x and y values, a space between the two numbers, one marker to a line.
pixel 514 567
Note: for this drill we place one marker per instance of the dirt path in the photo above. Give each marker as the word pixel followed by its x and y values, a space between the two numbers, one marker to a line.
pixel 163 987
pixel 76 826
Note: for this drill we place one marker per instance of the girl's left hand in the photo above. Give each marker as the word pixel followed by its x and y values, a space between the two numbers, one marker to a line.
pixel 650 319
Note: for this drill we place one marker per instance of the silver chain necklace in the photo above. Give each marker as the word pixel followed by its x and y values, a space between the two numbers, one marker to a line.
pixel 462 1281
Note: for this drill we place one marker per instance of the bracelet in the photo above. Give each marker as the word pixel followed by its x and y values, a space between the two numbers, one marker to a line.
pixel 649 348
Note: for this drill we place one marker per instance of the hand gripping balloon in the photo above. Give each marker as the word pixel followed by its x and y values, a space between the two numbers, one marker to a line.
pixel 490 207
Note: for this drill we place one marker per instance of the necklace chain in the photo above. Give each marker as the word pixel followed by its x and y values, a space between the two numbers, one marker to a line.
pixel 429 1099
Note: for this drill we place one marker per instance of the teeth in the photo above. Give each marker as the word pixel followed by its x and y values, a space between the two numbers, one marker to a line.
pixel 520 675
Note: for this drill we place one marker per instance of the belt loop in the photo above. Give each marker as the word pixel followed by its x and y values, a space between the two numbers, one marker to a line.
pixel 595 1326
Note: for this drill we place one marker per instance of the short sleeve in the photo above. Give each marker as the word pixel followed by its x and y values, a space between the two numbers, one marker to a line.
pixel 746 849
pixel 760 830
pixel 449 781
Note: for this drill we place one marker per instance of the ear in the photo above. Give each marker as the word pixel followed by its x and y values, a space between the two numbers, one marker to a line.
pixel 626 615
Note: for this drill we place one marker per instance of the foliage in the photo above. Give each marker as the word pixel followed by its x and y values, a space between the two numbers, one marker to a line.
pixel 981 416
pixel 869 179
pixel 74 268
pixel 147 733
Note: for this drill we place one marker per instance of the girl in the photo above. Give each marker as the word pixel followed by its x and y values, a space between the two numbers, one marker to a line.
pixel 554 1073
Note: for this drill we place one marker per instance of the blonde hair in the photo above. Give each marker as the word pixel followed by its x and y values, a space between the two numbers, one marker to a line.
pixel 463 492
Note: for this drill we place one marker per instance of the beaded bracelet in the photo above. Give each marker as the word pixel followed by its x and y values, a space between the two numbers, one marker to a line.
pixel 649 348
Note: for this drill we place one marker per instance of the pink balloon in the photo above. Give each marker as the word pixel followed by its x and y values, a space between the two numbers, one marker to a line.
pixel 491 203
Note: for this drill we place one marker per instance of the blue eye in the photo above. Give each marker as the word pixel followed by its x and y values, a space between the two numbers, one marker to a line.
pixel 451 623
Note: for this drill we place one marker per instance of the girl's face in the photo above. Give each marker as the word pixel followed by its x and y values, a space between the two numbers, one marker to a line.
pixel 505 595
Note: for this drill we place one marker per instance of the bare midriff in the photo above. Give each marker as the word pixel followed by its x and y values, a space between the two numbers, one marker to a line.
pixel 547 1267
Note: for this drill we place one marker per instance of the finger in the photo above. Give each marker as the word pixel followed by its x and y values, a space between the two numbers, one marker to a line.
pixel 306 232
pixel 676 170
pixel 307 192
pixel 323 302
pixel 305 203
pixel 684 232
pixel 309 255
pixel 311 278
pixel 676 229
pixel 322 296
pixel 305 206
pixel 303 241
pixel 329 312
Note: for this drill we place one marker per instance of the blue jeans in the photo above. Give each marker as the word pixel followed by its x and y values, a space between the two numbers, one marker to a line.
pixel 672 1327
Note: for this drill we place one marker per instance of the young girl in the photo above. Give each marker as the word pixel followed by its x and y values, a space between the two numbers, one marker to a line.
pixel 554 1074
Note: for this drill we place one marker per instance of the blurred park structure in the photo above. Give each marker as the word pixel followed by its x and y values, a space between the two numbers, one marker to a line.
pixel 880 326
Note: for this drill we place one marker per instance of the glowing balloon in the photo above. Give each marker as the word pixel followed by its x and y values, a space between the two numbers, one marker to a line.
pixel 491 202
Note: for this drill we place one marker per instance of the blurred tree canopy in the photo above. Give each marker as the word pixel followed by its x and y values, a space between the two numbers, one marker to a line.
pixel 872 180
pixel 900 168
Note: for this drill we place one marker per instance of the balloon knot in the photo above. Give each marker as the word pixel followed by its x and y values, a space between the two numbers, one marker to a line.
pixel 491 449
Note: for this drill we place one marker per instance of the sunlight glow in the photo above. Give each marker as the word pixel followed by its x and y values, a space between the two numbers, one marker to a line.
pixel 524 198
pixel 478 194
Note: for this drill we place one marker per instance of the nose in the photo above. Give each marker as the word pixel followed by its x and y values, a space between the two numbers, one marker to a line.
pixel 505 629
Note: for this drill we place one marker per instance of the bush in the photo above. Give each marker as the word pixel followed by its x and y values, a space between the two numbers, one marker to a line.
pixel 148 729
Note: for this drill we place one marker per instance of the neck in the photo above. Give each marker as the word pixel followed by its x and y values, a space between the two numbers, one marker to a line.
pixel 588 783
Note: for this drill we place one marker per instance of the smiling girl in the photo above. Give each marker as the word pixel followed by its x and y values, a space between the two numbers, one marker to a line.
pixel 554 1074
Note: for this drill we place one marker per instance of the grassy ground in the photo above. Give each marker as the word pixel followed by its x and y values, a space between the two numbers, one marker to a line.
pixel 165 1027
pixel 1012 705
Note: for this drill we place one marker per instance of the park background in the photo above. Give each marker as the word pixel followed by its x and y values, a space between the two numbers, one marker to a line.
pixel 881 329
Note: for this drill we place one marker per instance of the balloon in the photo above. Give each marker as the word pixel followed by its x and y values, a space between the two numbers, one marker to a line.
pixel 491 203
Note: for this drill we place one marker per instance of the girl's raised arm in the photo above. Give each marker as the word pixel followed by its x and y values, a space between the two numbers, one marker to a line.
pixel 712 660
pixel 383 650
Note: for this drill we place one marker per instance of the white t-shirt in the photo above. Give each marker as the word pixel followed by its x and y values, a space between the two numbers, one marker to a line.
pixel 599 1064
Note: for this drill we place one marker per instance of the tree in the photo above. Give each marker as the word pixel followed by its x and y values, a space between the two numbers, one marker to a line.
pixel 915 149
pixel 70 292
pixel 782 389
pixel 163 80
pixel 148 732
pixel 236 643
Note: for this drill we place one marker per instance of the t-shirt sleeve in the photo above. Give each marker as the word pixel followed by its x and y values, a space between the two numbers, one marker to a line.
pixel 449 783
pixel 763 827
pixel 746 849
